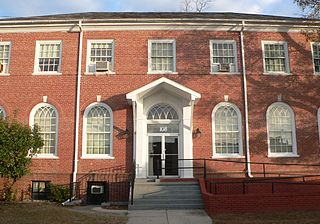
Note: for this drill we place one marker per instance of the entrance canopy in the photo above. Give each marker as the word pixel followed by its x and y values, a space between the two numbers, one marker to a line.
pixel 168 86
pixel 162 122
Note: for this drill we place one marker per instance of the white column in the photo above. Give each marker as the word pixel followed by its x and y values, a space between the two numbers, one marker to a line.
pixel 141 153
pixel 187 142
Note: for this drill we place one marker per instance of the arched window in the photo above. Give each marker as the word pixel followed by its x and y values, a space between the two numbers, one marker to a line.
pixel 162 112
pixel 46 117
pixel 98 128
pixel 227 130
pixel 281 130
pixel 2 113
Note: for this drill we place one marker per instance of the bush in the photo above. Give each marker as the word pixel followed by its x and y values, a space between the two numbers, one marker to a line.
pixel 58 193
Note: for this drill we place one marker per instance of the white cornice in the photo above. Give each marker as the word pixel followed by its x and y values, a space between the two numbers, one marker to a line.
pixel 209 25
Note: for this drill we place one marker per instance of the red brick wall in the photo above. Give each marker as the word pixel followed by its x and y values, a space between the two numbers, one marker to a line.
pixel 21 91
pixel 259 198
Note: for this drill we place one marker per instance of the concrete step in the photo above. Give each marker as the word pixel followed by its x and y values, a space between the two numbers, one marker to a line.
pixel 167 206
pixel 166 195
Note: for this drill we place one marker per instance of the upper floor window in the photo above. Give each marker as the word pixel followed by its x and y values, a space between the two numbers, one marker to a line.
pixel 2 113
pixel 223 56
pixel 46 117
pixel 316 57
pixel 281 130
pixel 48 57
pixel 162 56
pixel 226 125
pixel 275 57
pixel 100 56
pixel 4 57
pixel 98 131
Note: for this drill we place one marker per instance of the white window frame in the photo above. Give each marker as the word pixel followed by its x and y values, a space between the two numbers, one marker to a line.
pixel 287 65
pixel 313 64
pixel 84 134
pixel 31 123
pixel 9 57
pixel 293 125
pixel 234 43
pixel 219 155
pixel 36 61
pixel 88 62
pixel 3 112
pixel 171 41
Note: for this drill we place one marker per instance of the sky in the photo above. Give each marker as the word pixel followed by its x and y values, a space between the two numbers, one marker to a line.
pixel 19 8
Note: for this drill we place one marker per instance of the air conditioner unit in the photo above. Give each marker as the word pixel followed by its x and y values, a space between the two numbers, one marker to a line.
pixel 224 68
pixel 102 66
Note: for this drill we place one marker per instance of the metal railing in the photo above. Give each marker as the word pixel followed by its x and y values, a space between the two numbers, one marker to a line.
pixel 264 165
pixel 213 186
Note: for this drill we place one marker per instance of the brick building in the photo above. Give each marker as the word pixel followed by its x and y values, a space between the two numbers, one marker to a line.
pixel 108 89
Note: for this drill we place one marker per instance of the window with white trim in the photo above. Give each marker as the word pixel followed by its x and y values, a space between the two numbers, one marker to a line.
pixel 48 57
pixel 2 113
pixel 162 56
pixel 275 57
pixel 226 125
pixel 5 48
pixel 100 56
pixel 223 56
pixel 281 130
pixel 98 128
pixel 45 116
pixel 316 57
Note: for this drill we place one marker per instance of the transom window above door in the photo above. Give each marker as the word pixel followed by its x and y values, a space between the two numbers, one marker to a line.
pixel 162 112
pixel 162 56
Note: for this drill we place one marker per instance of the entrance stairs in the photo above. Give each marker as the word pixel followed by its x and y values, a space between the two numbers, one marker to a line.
pixel 155 195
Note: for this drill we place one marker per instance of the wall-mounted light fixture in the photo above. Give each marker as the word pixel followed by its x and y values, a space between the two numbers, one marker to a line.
pixel 124 134
pixel 196 133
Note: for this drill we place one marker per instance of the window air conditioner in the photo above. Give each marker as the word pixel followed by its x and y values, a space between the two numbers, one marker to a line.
pixel 102 66
pixel 224 68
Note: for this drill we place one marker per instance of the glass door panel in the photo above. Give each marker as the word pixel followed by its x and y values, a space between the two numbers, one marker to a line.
pixel 171 155
pixel 155 152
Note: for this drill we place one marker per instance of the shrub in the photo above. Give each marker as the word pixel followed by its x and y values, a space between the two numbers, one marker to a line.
pixel 58 193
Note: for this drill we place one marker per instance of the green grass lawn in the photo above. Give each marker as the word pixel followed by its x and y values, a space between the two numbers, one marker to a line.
pixel 47 213
pixel 269 218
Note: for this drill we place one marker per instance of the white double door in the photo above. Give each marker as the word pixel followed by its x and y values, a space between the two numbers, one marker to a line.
pixel 163 150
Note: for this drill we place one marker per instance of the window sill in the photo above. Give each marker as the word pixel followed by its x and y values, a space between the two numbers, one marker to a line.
pixel 97 157
pixel 277 73
pixel 4 74
pixel 99 73
pixel 162 73
pixel 231 156
pixel 45 156
pixel 225 73
pixel 283 155
pixel 47 73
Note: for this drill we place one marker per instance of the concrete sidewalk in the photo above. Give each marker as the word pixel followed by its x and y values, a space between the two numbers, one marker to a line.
pixel 192 216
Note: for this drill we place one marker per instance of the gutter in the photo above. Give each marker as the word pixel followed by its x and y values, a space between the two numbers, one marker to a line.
pixel 245 96
pixel 77 121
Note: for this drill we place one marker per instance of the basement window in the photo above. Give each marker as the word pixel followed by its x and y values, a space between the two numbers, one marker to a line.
pixel 40 190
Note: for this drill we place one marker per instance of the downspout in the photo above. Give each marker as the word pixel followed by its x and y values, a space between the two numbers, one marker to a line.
pixel 76 141
pixel 245 92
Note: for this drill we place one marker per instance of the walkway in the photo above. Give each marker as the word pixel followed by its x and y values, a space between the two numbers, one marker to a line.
pixel 194 216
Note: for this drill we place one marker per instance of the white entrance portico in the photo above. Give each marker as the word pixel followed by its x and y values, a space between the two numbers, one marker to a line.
pixel 162 116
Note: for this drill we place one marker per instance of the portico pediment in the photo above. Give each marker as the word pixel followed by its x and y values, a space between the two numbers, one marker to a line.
pixel 167 85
